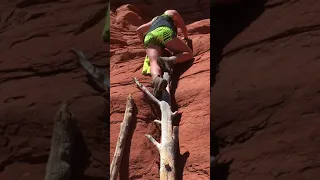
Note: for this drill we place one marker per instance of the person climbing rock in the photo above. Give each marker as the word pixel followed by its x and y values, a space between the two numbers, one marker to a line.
pixel 161 33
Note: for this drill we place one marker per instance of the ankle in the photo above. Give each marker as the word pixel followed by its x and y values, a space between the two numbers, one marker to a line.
pixel 173 59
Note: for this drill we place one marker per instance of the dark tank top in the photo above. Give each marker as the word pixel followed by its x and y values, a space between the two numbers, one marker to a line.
pixel 163 20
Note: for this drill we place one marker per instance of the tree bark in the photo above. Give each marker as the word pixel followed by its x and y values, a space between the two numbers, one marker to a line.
pixel 63 137
pixel 101 79
pixel 123 135
pixel 169 134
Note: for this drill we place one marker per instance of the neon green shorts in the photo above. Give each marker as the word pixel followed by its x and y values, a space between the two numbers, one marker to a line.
pixel 160 36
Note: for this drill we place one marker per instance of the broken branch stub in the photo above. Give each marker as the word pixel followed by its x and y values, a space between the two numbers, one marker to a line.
pixel 169 136
pixel 63 137
pixel 101 79
pixel 146 91
pixel 123 135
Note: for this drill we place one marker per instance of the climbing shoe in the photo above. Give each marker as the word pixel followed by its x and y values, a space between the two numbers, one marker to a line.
pixel 166 63
pixel 159 84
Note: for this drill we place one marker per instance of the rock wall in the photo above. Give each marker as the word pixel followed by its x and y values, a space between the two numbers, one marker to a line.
pixel 141 158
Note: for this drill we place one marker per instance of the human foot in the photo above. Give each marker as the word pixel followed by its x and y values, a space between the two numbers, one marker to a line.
pixel 159 84
pixel 166 63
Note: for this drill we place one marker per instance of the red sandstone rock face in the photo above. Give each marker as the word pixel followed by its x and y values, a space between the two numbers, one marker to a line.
pixel 265 102
pixel 37 73
pixel 192 94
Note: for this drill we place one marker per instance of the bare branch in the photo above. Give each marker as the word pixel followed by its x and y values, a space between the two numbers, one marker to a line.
pixel 100 78
pixel 146 91
pixel 153 141
pixel 174 114
pixel 157 121
pixel 123 135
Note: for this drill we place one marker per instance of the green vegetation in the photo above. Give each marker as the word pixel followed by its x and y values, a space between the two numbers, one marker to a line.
pixel 106 29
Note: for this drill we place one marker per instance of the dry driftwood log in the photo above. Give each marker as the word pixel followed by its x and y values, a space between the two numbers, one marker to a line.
pixel 63 137
pixel 169 134
pixel 101 79
pixel 123 135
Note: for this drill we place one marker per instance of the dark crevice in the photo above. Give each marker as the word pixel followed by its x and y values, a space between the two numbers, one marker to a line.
pixel 5 163
pixel 80 157
pixel 29 38
pixel 10 99
pixel 38 74
pixel 36 16
pixel 39 159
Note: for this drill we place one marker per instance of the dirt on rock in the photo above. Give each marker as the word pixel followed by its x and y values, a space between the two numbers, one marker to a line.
pixel 141 158
pixel 38 72
pixel 265 99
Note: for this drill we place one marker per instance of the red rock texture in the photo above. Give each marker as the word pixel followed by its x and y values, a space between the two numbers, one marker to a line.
pixel 38 72
pixel 141 158
pixel 265 101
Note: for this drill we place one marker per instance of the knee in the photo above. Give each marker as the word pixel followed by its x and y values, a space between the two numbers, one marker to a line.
pixel 190 52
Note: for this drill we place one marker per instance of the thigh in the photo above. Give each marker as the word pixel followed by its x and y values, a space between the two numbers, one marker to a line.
pixel 176 45
pixel 153 52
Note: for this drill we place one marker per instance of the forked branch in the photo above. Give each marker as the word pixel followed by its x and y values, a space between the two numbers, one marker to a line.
pixel 146 91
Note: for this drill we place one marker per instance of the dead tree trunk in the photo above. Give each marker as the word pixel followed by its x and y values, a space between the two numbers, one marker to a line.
pixel 169 134
pixel 63 137
pixel 101 79
pixel 125 125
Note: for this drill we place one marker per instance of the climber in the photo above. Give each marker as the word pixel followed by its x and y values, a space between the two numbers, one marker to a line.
pixel 161 33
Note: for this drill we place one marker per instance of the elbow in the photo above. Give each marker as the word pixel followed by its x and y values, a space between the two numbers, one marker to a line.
pixel 139 32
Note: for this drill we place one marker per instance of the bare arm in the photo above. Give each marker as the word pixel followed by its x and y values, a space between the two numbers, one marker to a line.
pixel 179 21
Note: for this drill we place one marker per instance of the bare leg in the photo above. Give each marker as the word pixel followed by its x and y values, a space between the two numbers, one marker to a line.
pixel 158 83
pixel 182 54
pixel 153 53
pixel 181 50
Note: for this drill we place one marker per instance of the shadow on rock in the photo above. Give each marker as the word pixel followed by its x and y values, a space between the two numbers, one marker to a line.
pixel 81 156
pixel 181 162
pixel 177 72
pixel 221 170
pixel 218 170
pixel 216 143
pixel 227 22
pixel 125 162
